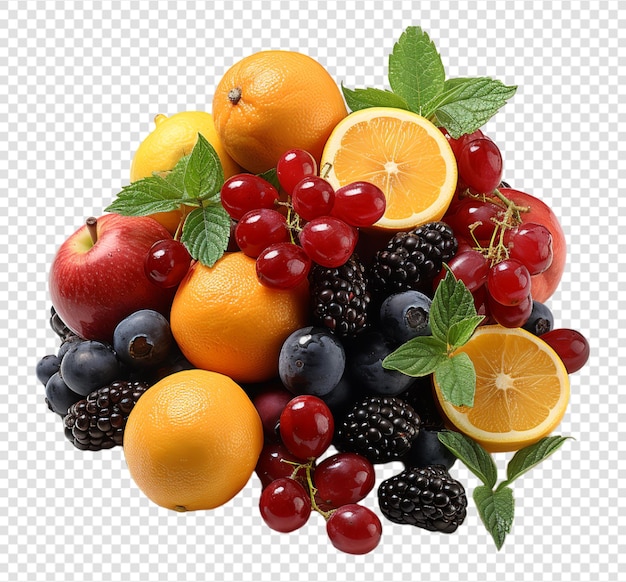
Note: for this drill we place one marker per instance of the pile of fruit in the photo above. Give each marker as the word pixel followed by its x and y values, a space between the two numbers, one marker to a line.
pixel 306 284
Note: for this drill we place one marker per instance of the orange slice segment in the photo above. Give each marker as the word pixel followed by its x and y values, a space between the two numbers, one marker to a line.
pixel 522 389
pixel 401 152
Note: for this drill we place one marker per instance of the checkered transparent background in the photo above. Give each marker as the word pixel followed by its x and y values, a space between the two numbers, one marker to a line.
pixel 79 87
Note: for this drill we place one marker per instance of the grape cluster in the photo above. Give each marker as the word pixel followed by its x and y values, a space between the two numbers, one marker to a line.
pixel 295 483
pixel 314 224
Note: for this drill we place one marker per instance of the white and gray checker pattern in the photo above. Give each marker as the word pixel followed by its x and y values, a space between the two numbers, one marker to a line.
pixel 80 83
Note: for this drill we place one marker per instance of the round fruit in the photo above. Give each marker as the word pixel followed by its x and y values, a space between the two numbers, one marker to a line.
pixel 328 241
pixel 173 138
pixel 88 365
pixel 402 153
pixel 522 389
pixel 242 193
pixel 192 440
pixel 274 101
pixel 167 263
pixel 284 505
pixel 294 166
pixel 480 165
pixel 544 284
pixel 344 478
pixel 223 319
pixel 283 265
pixel 571 346
pixel 306 426
pixel 354 529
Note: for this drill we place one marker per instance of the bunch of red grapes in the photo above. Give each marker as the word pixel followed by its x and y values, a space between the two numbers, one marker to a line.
pixel 315 224
pixel 498 253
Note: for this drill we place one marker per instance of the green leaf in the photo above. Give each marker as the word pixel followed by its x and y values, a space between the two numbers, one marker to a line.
pixel 206 232
pixel 456 378
pixel 419 356
pixel 271 176
pixel 466 104
pixel 497 510
pixel 364 98
pixel 451 304
pixel 471 454
pixel 147 196
pixel 529 457
pixel 416 73
pixel 203 175
pixel 461 331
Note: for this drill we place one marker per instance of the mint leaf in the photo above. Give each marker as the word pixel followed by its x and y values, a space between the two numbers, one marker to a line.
pixel 456 378
pixel 466 104
pixel 419 356
pixel 471 454
pixel 203 175
pixel 206 232
pixel 451 304
pixel 271 176
pixel 416 73
pixel 363 98
pixel 461 331
pixel 148 196
pixel 529 457
pixel 496 509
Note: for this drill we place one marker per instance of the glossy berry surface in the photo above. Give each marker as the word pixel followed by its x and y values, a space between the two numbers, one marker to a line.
pixel 244 192
pixel 531 244
pixel 313 197
pixel 469 266
pixel 328 241
pixel 509 282
pixel 359 203
pixel 283 266
pixel 510 315
pixel 344 478
pixel 480 165
pixel 285 506
pixel 46 367
pixel 269 403
pixel 306 426
pixel 540 320
pixel 354 529
pixel 259 229
pixel 293 166
pixel 59 396
pixel 167 263
pixel 570 345
pixel 473 219
pixel 275 462
pixel 405 315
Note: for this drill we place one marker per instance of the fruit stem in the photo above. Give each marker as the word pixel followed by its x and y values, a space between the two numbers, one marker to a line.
pixel 234 95
pixel 92 227
pixel 312 490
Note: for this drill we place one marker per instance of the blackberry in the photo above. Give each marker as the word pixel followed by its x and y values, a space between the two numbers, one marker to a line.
pixel 340 298
pixel 381 428
pixel 98 421
pixel 425 497
pixel 412 260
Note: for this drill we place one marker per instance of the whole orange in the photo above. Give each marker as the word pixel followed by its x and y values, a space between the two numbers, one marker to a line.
pixel 225 320
pixel 273 101
pixel 172 138
pixel 192 440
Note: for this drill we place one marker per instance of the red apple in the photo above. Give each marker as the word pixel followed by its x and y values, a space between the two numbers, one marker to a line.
pixel 97 276
pixel 545 284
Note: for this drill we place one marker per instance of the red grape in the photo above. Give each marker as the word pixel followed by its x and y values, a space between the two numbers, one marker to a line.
pixel 531 244
pixel 283 266
pixel 354 529
pixel 271 466
pixel 285 505
pixel 458 144
pixel 509 282
pixel 313 197
pixel 259 229
pixel 570 345
pixel 344 478
pixel 468 266
pixel 306 426
pixel 167 263
pixel 480 165
pixel 328 241
pixel 293 166
pixel 269 403
pixel 359 204
pixel 510 315
pixel 244 192
pixel 474 219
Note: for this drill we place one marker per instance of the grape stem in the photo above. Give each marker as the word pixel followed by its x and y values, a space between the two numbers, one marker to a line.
pixel 497 250
pixel 312 490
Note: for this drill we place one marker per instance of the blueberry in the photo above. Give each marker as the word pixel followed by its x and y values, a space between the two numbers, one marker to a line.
pixel 59 396
pixel 46 367
pixel 143 339
pixel 311 361
pixel 89 365
pixel 540 320
pixel 427 450
pixel 365 366
pixel 405 315
pixel 66 344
